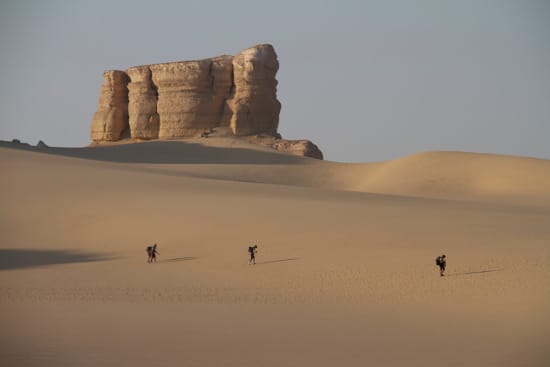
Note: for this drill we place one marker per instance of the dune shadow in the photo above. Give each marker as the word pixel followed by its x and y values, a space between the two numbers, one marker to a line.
pixel 166 152
pixel 277 261
pixel 176 259
pixel 474 272
pixel 18 259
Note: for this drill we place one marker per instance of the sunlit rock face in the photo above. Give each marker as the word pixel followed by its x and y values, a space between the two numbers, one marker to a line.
pixel 186 98
pixel 254 105
pixel 173 100
pixel 143 119
pixel 192 95
pixel 111 118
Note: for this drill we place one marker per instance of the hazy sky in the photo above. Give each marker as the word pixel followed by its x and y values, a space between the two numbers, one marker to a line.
pixel 365 80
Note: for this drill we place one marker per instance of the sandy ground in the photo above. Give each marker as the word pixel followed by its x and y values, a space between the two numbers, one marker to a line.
pixel 345 272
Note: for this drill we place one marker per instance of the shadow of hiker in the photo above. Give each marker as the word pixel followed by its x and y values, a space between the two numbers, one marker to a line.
pixel 178 259
pixel 18 259
pixel 474 272
pixel 277 261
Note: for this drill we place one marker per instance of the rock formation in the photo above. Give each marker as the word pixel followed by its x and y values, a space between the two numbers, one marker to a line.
pixel 143 118
pixel 41 144
pixel 303 148
pixel 254 105
pixel 298 147
pixel 193 98
pixel 111 118
pixel 191 95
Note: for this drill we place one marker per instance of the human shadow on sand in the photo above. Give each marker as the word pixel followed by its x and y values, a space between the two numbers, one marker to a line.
pixel 277 261
pixel 474 272
pixel 18 259
pixel 167 152
pixel 178 259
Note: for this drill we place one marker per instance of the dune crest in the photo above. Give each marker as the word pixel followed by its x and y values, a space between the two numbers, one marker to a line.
pixel 438 174
pixel 456 175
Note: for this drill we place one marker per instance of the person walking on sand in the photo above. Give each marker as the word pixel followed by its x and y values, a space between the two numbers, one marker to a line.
pixel 152 252
pixel 252 250
pixel 441 261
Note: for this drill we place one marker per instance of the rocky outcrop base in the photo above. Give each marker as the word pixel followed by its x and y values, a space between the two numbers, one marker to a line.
pixel 304 148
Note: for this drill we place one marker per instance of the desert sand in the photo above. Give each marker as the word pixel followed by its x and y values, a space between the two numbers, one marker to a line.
pixel 345 273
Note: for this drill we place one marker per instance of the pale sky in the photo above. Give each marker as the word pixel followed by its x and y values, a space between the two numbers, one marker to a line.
pixel 365 80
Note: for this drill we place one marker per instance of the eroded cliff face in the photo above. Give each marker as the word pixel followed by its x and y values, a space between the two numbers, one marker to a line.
pixel 188 98
pixel 192 99
pixel 143 119
pixel 111 118
pixel 254 105
pixel 191 95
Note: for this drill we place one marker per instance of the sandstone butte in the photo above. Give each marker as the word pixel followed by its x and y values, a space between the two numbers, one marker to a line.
pixel 219 96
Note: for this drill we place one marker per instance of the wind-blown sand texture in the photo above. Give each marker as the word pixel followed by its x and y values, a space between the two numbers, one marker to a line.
pixel 345 273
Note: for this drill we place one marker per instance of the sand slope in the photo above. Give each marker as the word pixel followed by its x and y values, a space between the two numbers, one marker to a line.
pixel 345 272
pixel 446 175
pixel 462 175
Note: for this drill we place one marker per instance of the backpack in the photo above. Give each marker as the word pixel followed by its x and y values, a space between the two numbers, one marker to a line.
pixel 438 261
pixel 149 249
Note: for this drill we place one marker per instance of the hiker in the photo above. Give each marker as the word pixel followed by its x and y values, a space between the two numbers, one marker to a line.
pixel 152 253
pixel 441 261
pixel 252 251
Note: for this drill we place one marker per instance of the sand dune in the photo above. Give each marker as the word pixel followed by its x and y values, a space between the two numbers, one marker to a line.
pixel 461 175
pixel 445 175
pixel 345 272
